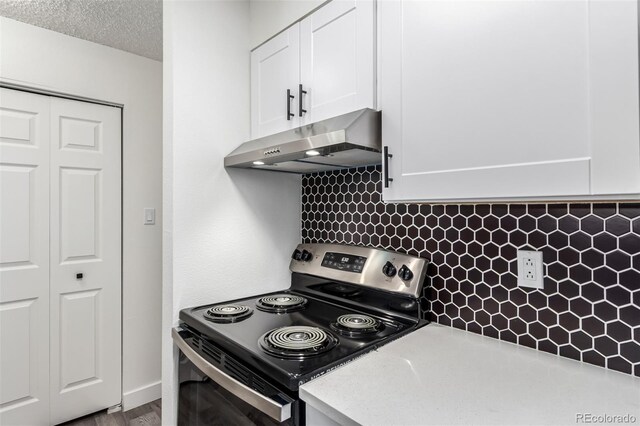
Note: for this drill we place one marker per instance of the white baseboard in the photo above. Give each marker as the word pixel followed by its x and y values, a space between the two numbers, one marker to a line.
pixel 142 395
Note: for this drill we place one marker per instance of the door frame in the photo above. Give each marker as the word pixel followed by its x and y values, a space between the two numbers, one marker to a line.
pixel 51 93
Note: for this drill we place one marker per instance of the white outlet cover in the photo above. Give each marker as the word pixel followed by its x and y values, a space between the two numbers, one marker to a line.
pixel 525 258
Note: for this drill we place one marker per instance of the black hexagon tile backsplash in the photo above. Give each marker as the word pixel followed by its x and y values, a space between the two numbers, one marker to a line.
pixel 589 308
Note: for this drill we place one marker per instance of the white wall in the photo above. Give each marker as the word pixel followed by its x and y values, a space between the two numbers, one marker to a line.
pixel 269 17
pixel 45 59
pixel 227 233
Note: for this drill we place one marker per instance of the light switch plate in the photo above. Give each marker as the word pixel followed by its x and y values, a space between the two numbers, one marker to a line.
pixel 149 216
pixel 530 269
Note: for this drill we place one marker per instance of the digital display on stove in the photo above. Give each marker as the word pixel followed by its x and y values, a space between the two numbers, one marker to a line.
pixel 344 262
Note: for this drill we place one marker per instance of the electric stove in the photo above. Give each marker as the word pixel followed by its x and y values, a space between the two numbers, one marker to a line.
pixel 343 301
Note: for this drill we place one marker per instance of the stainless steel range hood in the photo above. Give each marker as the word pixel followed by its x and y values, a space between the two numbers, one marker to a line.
pixel 345 141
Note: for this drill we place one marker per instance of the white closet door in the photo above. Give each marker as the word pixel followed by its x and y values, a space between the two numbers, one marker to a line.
pixel 85 239
pixel 24 258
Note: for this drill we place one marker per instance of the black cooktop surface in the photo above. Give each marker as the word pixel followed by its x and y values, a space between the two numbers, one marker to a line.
pixel 242 338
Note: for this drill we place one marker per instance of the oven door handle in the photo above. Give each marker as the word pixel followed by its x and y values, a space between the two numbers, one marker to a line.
pixel 271 408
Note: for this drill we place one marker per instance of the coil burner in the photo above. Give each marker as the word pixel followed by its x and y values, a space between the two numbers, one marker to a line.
pixel 297 342
pixel 228 313
pixel 354 325
pixel 281 303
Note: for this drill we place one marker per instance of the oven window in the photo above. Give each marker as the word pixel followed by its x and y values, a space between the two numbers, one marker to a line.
pixel 201 401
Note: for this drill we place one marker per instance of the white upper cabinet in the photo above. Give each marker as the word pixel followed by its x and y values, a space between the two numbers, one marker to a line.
pixel 337 59
pixel 275 75
pixel 486 100
pixel 326 62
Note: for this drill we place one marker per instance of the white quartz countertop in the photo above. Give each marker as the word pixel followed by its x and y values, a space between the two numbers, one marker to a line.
pixel 442 375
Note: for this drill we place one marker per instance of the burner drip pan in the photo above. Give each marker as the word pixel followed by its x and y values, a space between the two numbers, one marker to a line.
pixel 281 303
pixel 354 325
pixel 297 341
pixel 228 313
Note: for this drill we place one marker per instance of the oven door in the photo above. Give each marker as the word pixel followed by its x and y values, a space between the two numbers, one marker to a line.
pixel 209 395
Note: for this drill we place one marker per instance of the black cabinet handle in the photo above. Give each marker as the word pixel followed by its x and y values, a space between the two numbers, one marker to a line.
pixel 386 157
pixel 300 93
pixel 289 97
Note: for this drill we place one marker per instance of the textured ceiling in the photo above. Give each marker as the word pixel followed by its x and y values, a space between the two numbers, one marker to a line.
pixel 131 25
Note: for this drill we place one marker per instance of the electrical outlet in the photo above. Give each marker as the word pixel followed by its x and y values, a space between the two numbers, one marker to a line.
pixel 530 269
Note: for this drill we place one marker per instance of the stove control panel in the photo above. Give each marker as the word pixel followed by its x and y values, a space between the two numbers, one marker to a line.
pixel 365 266
pixel 344 262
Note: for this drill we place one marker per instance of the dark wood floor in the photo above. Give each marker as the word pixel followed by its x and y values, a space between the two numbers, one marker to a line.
pixel 145 415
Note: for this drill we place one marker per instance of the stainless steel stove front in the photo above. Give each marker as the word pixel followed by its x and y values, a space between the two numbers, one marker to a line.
pixel 216 390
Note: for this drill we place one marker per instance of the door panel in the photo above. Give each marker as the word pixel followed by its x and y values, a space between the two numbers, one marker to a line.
pixel 78 342
pixel 24 258
pixel 16 383
pixel 275 67
pixel 79 134
pixel 17 193
pixel 471 114
pixel 79 203
pixel 614 101
pixel 85 239
pixel 544 114
pixel 337 59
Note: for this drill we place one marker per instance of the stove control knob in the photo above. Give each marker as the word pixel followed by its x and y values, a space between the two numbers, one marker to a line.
pixel 297 254
pixel 389 270
pixel 405 273
pixel 306 256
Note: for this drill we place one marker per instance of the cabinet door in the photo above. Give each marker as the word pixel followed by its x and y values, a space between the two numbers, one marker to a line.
pixel 337 59
pixel 494 100
pixel 275 68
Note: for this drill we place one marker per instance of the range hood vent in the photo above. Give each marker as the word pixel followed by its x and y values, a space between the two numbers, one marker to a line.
pixel 346 141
